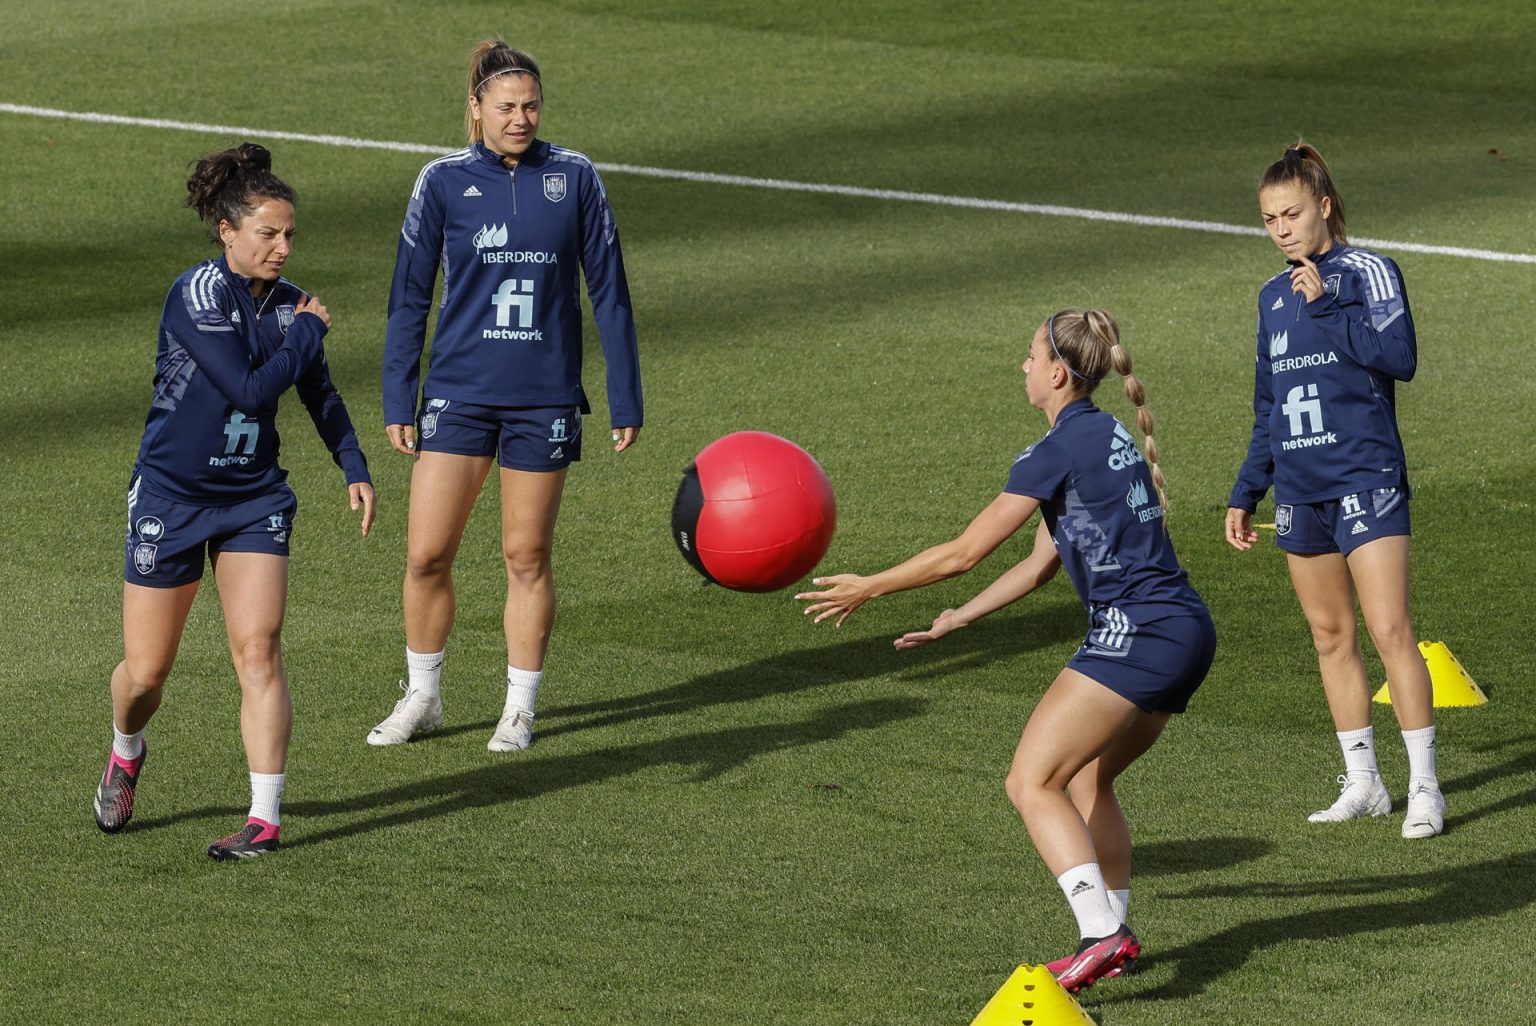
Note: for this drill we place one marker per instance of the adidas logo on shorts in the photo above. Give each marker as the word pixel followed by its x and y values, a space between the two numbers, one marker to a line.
pixel 1359 528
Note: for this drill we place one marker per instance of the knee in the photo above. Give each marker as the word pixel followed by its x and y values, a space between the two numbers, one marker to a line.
pixel 1334 639
pixel 1025 789
pixel 526 566
pixel 1394 635
pixel 145 676
pixel 259 663
pixel 421 564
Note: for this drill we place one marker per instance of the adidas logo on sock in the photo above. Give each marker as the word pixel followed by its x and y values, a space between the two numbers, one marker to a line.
pixel 1358 746
pixel 471 191
pixel 1082 885
pixel 1279 302
pixel 1359 527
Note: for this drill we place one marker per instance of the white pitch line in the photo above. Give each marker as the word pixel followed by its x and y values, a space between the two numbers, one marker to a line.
pixel 859 192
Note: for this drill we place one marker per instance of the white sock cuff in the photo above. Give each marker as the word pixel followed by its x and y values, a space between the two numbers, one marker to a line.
pixel 1422 734
pixel 267 796
pixel 127 746
pixel 1363 734
pixel 423 660
pixel 523 687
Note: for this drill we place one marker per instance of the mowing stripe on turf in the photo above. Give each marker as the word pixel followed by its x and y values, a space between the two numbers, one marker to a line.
pixel 934 198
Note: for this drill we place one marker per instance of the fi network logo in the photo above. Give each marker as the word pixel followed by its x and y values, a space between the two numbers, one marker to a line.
pixel 514 295
pixel 240 437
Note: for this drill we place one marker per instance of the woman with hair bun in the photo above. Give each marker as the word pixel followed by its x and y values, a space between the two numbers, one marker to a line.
pixel 1150 638
pixel 234 335
pixel 515 224
pixel 1334 335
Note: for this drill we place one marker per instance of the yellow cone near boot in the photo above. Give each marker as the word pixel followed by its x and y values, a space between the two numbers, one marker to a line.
pixel 1032 997
pixel 1453 685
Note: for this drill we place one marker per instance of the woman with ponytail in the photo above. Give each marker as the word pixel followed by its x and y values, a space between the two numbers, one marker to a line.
pixel 520 223
pixel 1334 335
pixel 1150 639
pixel 234 335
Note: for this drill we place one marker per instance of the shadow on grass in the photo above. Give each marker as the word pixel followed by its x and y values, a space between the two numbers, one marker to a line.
pixel 713 752
pixel 786 673
pixel 1455 894
pixel 710 752
pixel 1170 858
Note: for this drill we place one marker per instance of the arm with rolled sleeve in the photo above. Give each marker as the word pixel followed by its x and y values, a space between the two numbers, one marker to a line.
pixel 1257 473
pixel 410 301
pixel 1369 319
pixel 608 288
pixel 197 318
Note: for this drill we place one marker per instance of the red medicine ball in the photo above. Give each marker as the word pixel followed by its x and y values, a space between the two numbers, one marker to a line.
pixel 754 512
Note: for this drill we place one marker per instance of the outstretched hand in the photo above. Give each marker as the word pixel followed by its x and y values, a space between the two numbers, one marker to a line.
pixel 847 593
pixel 942 624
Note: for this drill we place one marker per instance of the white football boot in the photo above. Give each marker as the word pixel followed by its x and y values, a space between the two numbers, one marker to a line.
pixel 414 714
pixel 1426 812
pixel 513 733
pixel 1358 799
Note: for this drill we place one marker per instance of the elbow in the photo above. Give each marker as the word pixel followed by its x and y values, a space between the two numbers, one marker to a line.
pixel 961 561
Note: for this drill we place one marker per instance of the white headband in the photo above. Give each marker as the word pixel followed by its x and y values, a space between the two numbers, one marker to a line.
pixel 508 71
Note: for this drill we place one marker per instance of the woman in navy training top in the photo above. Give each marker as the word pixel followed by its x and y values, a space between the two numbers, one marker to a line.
pixel 1334 333
pixel 1150 640
pixel 515 224
pixel 234 335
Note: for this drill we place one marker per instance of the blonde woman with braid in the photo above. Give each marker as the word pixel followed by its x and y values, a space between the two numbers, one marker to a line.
pixel 1150 638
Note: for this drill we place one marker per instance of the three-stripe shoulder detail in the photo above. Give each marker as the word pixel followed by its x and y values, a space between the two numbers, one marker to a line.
pixel 1380 276
pixel 201 296
pixel 456 157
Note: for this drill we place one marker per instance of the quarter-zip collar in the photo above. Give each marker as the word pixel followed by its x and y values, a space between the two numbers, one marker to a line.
pixel 535 156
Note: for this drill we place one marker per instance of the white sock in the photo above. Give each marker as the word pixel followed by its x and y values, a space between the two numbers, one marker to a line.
pixel 1120 904
pixel 1359 748
pixel 522 687
pixel 1084 887
pixel 131 746
pixel 267 795
pixel 425 671
pixel 1421 756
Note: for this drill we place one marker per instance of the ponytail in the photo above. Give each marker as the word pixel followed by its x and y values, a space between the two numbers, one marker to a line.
pixel 1302 165
pixel 227 186
pixel 1088 343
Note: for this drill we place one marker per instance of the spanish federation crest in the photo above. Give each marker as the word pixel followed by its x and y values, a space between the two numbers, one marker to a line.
pixel 1282 520
pixel 554 187
pixel 1331 285
pixel 285 317
pixel 144 557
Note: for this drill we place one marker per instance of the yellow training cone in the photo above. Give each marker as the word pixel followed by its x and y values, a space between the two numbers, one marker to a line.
pixel 1453 684
pixel 1032 997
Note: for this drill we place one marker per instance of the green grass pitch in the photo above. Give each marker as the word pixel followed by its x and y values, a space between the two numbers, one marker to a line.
pixel 730 816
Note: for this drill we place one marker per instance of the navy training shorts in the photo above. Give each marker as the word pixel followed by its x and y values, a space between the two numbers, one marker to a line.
pixel 1342 525
pixel 1157 664
pixel 167 542
pixel 532 438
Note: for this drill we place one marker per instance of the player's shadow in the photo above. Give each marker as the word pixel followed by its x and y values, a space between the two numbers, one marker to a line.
pixel 1454 894
pixel 786 673
pixel 1197 855
pixel 709 752
pixel 1457 893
